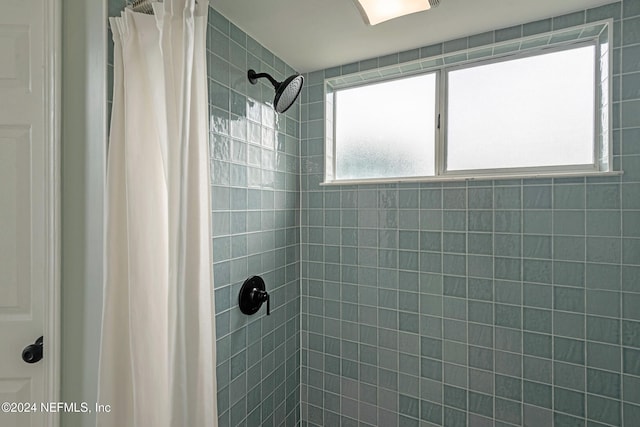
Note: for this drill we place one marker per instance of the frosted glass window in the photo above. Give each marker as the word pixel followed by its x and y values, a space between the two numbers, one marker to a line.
pixel 386 130
pixel 536 111
pixel 542 109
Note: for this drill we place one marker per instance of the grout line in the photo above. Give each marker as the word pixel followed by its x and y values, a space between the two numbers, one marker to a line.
pixel 584 373
pixel 522 306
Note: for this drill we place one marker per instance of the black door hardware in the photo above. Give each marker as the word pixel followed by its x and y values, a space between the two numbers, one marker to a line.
pixel 33 352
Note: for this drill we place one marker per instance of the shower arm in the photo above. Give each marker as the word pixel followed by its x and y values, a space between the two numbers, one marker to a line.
pixel 253 77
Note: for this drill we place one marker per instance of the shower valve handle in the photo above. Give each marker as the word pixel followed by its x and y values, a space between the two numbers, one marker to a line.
pixel 252 295
pixel 262 296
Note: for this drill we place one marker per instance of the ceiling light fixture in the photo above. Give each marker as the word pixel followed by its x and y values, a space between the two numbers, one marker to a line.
pixel 377 11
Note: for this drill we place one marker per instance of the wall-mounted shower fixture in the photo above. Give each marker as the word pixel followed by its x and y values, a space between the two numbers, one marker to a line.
pixel 286 91
pixel 252 295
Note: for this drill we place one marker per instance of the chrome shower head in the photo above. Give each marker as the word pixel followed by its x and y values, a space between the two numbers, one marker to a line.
pixel 286 92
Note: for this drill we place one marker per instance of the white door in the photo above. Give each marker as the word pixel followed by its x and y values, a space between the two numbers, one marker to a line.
pixel 28 207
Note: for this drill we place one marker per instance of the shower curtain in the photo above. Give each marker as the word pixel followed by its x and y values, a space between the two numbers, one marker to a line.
pixel 157 355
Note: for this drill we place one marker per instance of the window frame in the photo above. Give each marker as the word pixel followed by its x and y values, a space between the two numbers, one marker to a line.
pixel 524 170
pixel 436 137
pixel 598 34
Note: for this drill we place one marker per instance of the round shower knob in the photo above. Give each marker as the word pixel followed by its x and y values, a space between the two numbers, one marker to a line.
pixel 252 295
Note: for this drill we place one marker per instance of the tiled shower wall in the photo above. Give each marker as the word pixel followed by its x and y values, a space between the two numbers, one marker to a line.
pixel 255 202
pixel 482 303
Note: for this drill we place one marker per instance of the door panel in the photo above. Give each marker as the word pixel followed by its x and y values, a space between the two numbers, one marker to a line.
pixel 15 390
pixel 25 209
pixel 15 229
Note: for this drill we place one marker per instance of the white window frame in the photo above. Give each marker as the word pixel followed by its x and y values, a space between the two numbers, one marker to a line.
pixel 551 170
pixel 437 137
pixel 441 66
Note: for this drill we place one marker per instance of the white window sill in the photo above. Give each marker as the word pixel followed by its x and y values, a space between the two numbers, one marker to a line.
pixel 448 178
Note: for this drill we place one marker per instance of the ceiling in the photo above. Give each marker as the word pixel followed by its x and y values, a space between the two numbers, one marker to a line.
pixel 311 35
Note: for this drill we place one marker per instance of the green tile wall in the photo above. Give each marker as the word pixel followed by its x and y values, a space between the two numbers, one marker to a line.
pixel 255 203
pixel 491 303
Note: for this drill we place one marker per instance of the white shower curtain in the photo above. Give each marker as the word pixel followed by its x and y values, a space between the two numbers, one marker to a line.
pixel 157 356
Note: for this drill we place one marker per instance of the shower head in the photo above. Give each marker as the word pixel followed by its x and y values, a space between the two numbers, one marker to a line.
pixel 287 91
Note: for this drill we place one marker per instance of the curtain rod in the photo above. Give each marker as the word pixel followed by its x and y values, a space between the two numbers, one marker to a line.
pixel 144 6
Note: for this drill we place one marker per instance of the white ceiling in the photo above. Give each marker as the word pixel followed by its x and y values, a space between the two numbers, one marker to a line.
pixel 311 35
